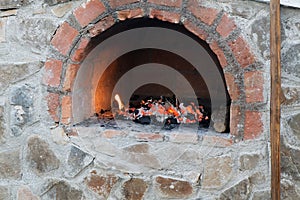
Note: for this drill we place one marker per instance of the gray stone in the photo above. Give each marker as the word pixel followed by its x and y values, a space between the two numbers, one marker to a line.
pixel 167 155
pixel 248 162
pixel 61 10
pixel 259 195
pixel 288 190
pixel 22 96
pixel 12 73
pixel 190 160
pixel 241 190
pixel 77 161
pixel 2 124
pixel 34 33
pixel 291 60
pixel 4 193
pixel 260 34
pixel 217 172
pixel 59 136
pixel 61 190
pixel 258 178
pixel 9 4
pixel 40 157
pixel 53 2
pixel 10 165
pixel 2 30
pixel 290 96
pixel 247 11
pixel 290 161
pixel 142 159
pixel 22 109
pixel 294 123
pixel 105 147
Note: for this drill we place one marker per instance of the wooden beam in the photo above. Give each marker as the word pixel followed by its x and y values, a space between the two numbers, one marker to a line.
pixel 275 46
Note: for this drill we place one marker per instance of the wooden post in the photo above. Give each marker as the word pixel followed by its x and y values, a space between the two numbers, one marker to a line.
pixel 275 45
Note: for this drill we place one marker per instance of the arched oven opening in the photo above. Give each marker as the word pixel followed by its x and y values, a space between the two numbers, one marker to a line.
pixel 129 88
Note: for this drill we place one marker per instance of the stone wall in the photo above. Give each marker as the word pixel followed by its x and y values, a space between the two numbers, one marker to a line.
pixel 41 158
pixel 290 104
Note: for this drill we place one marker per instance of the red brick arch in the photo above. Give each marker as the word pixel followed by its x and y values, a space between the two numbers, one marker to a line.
pixel 243 75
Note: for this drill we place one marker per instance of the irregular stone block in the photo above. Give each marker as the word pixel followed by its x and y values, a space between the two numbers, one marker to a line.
pixel 22 96
pixel 77 161
pixel 265 195
pixel 53 2
pixel 288 190
pixel 190 161
pixel 22 99
pixel 62 191
pixel 291 60
pixel 9 4
pixel 10 165
pixel 173 188
pixel 102 185
pixel 138 148
pixel 2 30
pixel 167 155
pixel 61 10
pixel 10 73
pixel 290 161
pixel 260 34
pixel 4 193
pixel 290 96
pixel 59 136
pixel 216 141
pixel 248 162
pixel 103 146
pixel 242 190
pixel 178 137
pixel 24 193
pixel 142 159
pixel 294 123
pixel 33 33
pixel 134 189
pixel 217 172
pixel 258 178
pixel 40 157
pixel 1 124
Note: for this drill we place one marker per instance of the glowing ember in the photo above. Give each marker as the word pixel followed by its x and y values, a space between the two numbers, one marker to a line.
pixel 161 110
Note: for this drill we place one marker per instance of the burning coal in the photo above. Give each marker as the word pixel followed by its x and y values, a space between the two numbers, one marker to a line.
pixel 162 110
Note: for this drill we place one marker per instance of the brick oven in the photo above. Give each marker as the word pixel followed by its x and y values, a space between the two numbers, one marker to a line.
pixel 140 99
pixel 124 54
pixel 240 74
